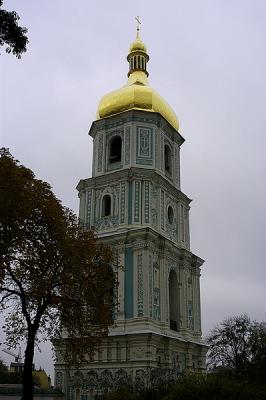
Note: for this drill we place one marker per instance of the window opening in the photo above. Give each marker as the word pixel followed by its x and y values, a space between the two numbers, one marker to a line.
pixel 156 278
pixel 190 316
pixel 170 214
pixel 167 159
pixel 115 149
pixel 106 206
pixel 173 301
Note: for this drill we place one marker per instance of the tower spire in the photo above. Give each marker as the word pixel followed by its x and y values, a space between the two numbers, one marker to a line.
pixel 138 56
pixel 138 24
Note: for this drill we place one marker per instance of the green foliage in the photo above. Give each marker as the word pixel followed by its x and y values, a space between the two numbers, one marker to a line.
pixel 11 34
pixel 121 394
pixel 218 386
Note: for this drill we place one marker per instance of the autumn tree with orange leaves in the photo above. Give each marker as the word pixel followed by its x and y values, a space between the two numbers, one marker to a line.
pixel 54 276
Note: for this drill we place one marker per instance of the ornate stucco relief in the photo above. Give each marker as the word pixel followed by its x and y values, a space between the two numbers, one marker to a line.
pixel 100 153
pixel 144 154
pixel 127 145
pixel 140 283
pixel 147 202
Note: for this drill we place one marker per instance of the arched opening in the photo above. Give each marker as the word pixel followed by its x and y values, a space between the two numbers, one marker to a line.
pixel 170 215
pixel 115 150
pixel 173 301
pixel 106 205
pixel 77 394
pixel 167 159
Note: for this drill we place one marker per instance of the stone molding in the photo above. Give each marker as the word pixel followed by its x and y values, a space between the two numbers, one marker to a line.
pixel 141 238
pixel 104 125
pixel 128 174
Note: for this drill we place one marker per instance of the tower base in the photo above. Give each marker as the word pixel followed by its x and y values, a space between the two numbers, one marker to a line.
pixel 140 360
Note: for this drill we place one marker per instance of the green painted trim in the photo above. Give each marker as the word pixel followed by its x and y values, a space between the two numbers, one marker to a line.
pixel 128 291
pixel 129 210
pixel 143 161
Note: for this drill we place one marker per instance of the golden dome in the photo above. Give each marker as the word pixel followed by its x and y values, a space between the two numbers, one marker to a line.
pixel 136 94
pixel 137 45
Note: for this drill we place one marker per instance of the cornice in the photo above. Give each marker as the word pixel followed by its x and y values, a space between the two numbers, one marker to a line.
pixel 146 237
pixel 129 174
pixel 130 116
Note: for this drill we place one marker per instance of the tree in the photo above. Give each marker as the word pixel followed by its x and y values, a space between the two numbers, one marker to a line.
pixel 54 276
pixel 237 344
pixel 257 369
pixel 11 33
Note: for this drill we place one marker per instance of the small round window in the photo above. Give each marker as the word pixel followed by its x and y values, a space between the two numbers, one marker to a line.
pixel 170 214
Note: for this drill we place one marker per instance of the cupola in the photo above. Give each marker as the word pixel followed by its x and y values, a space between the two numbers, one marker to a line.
pixel 136 93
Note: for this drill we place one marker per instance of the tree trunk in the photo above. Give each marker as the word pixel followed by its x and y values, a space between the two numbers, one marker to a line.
pixel 27 379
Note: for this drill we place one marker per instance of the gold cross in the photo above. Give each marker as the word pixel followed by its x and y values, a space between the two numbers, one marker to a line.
pixel 138 24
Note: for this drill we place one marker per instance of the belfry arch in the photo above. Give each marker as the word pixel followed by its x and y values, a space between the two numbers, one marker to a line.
pixel 167 159
pixel 106 205
pixel 115 150
pixel 173 301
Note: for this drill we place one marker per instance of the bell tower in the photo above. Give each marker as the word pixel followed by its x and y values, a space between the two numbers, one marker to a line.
pixel 135 204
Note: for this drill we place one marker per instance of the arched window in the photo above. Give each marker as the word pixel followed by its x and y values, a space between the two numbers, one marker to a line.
pixel 170 215
pixel 115 150
pixel 106 205
pixel 173 301
pixel 167 159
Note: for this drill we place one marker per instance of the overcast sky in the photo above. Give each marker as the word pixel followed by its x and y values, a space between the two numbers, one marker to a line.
pixel 208 60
